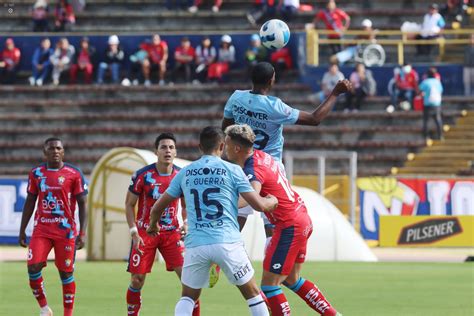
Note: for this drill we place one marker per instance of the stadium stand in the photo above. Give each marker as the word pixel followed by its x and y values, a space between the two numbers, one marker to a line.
pixel 92 119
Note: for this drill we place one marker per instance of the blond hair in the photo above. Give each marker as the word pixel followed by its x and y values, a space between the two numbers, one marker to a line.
pixel 241 134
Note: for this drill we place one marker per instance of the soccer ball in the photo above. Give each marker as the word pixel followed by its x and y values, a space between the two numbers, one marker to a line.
pixel 274 34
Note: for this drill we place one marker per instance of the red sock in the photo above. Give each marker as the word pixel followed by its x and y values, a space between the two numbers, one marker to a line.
pixel 313 297
pixel 69 293
pixel 276 300
pixel 134 301
pixel 265 299
pixel 197 309
pixel 36 285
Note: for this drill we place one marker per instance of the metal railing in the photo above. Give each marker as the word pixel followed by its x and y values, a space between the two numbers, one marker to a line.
pixel 321 156
pixel 314 40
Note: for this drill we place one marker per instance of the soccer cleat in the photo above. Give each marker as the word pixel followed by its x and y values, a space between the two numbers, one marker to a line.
pixel 338 314
pixel 46 311
pixel 214 275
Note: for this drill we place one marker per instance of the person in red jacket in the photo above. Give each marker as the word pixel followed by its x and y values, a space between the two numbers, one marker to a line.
pixel 83 62
pixel 197 3
pixel 184 59
pixel 9 60
pixel 335 20
pixel 406 85
pixel 64 17
pixel 281 60
pixel 157 59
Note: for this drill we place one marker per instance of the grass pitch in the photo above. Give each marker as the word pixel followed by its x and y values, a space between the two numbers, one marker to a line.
pixel 353 288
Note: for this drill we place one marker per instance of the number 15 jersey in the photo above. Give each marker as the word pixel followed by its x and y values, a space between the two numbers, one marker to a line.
pixel 211 190
pixel 263 168
pixel 266 115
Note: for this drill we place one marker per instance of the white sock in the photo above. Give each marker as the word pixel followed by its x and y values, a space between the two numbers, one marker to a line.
pixel 45 310
pixel 257 306
pixel 184 307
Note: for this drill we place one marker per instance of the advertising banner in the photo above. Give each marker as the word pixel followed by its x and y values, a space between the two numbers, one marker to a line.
pixel 385 196
pixel 12 198
pixel 433 231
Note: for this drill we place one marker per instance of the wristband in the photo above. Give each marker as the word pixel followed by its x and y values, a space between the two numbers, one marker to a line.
pixel 133 230
pixel 82 233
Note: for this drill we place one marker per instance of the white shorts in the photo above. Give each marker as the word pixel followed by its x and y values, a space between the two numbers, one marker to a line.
pixel 231 258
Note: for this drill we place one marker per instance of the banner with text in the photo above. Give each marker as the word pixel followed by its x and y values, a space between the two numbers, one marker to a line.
pixel 12 198
pixel 381 196
pixel 437 231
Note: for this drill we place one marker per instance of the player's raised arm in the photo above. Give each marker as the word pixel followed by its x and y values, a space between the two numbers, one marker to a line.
pixel 316 117
pixel 82 206
pixel 157 210
pixel 28 210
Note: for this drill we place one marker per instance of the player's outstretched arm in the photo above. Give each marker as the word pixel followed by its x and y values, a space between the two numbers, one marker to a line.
pixel 156 212
pixel 260 204
pixel 316 117
pixel 28 209
pixel 227 122
pixel 82 206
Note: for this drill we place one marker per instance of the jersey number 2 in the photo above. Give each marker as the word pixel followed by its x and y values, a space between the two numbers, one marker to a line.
pixel 261 143
pixel 208 202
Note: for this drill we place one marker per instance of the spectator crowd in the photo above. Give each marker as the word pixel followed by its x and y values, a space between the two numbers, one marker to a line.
pixel 152 61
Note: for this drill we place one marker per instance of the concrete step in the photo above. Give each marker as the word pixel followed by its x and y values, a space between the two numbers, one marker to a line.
pixel 428 171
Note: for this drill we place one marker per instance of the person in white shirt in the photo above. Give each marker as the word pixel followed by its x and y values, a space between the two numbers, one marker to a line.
pixel 431 28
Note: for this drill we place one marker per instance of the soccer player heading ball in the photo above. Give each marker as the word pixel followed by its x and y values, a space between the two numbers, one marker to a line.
pixel 267 114
pixel 57 186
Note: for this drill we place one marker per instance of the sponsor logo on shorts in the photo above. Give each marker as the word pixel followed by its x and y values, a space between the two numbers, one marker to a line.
pixel 68 248
pixel 242 272
pixel 276 266
pixel 429 231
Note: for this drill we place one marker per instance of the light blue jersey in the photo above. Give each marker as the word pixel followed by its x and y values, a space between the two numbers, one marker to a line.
pixel 211 188
pixel 433 91
pixel 266 115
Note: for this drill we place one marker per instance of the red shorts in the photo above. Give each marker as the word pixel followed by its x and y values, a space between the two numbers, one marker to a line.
pixel 169 244
pixel 64 252
pixel 288 245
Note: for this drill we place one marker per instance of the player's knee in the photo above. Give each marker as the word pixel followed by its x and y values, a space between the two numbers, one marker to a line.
pixel 35 268
pixel 137 281
pixel 291 280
